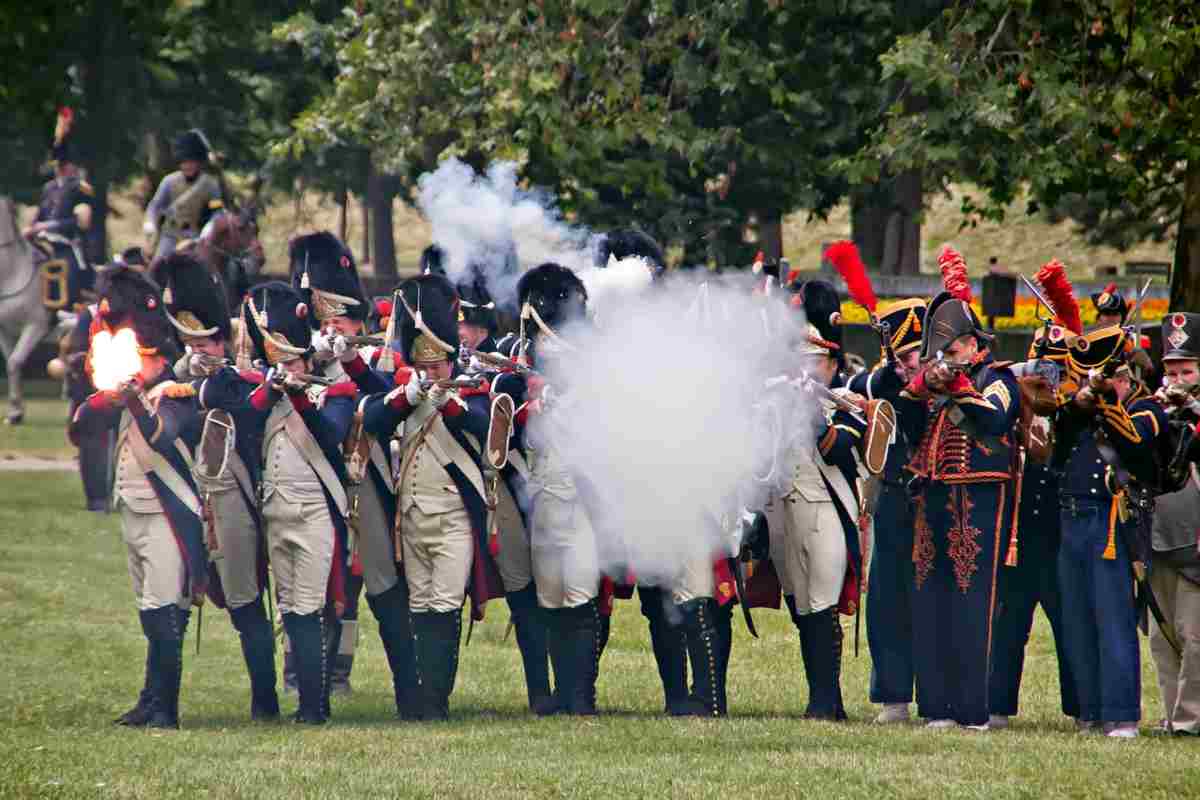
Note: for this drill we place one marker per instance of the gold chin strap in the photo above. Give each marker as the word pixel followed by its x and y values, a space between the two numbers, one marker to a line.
pixel 327 305
pixel 529 312
pixel 275 347
pixel 419 321
pixel 189 324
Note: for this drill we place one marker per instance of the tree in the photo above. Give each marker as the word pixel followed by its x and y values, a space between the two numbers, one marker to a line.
pixel 686 116
pixel 1089 99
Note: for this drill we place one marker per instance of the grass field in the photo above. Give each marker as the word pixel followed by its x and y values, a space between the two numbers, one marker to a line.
pixel 71 655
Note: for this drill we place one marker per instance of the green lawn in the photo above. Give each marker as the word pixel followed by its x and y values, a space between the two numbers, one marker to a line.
pixel 71 659
pixel 43 433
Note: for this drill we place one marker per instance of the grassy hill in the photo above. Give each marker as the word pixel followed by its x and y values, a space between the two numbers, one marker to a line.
pixel 1022 243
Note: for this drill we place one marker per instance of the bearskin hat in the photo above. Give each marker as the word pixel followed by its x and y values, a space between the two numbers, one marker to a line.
pixel 629 243
pixel 191 146
pixel 427 319
pixel 822 307
pixel 476 306
pixel 193 296
pixel 324 273
pixel 550 296
pixel 277 321
pixel 129 299
pixel 433 260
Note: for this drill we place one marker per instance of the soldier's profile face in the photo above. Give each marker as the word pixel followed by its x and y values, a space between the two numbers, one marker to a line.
pixel 1182 372
pixel 439 371
pixel 209 345
pixel 471 335
pixel 963 349
pixel 1106 319
pixel 296 366
pixel 344 325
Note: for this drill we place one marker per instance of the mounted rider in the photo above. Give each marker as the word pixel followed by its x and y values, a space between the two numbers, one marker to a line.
pixel 187 198
pixel 64 217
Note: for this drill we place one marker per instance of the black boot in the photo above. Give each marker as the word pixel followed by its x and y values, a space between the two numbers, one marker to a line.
pixel 532 635
pixel 305 633
pixel 290 686
pixel 838 637
pixel 723 622
pixel 343 662
pixel 583 635
pixel 395 630
pixel 558 645
pixel 817 650
pixel 139 715
pixel 258 649
pixel 670 653
pixel 165 628
pixel 703 649
pixel 437 640
pixel 331 638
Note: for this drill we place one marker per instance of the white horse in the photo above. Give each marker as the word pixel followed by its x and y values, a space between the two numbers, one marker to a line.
pixel 23 320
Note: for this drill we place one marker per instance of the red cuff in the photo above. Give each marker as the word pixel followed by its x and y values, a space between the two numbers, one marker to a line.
pixel 399 400
pixel 522 415
pixel 453 408
pixel 260 398
pixel 300 401
pixel 355 367
pixel 99 402
pixel 917 386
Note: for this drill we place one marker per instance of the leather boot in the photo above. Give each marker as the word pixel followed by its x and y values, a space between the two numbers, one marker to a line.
pixel 557 623
pixel 437 634
pixel 258 649
pixel 343 662
pixel 584 655
pixel 670 652
pixel 166 627
pixel 838 638
pixel 139 715
pixel 331 638
pixel 817 650
pixel 305 633
pixel 703 649
pixel 723 622
pixel 290 686
pixel 532 634
pixel 395 631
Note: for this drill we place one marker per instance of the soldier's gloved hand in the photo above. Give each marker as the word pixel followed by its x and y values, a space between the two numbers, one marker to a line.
pixel 323 345
pixel 342 350
pixel 149 229
pixel 440 395
pixel 1175 393
pixel 413 392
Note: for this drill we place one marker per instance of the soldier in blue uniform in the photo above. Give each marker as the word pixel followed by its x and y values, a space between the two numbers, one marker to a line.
pixel 961 410
pixel 1107 435
pixel 1034 578
pixel 303 487
pixel 63 220
pixel 155 491
pixel 889 592
pixel 226 465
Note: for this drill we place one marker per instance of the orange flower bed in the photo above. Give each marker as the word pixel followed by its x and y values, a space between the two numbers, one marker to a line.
pixel 1153 310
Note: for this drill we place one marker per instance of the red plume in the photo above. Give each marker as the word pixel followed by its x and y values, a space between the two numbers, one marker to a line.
pixel 846 260
pixel 954 273
pixel 62 126
pixel 1053 279
pixel 1111 288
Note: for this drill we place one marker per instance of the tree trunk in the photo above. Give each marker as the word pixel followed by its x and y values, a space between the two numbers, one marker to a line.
pixel 1185 273
pixel 380 194
pixel 885 224
pixel 343 199
pixel 770 234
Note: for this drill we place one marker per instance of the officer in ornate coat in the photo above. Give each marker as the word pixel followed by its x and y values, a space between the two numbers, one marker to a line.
pixel 304 495
pixel 155 491
pixel 960 410
pixel 566 568
pixel 1033 578
pixel 185 199
pixel 1175 563
pixel 436 429
pixel 889 592
pixel 64 219
pixel 1107 440
pixel 226 465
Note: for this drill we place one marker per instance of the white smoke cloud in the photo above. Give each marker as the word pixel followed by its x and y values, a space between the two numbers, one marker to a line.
pixel 483 218
pixel 660 398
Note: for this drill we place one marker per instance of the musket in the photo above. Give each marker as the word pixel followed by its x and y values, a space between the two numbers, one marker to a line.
pixel 503 363
pixel 462 382
pixel 387 362
pixel 364 341
pixel 1137 325
pixel 824 392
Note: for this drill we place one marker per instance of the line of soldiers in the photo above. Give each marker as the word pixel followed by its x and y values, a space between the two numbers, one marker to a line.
pixel 288 455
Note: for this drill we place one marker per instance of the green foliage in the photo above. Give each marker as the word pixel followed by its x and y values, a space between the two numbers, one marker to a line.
pixel 1090 103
